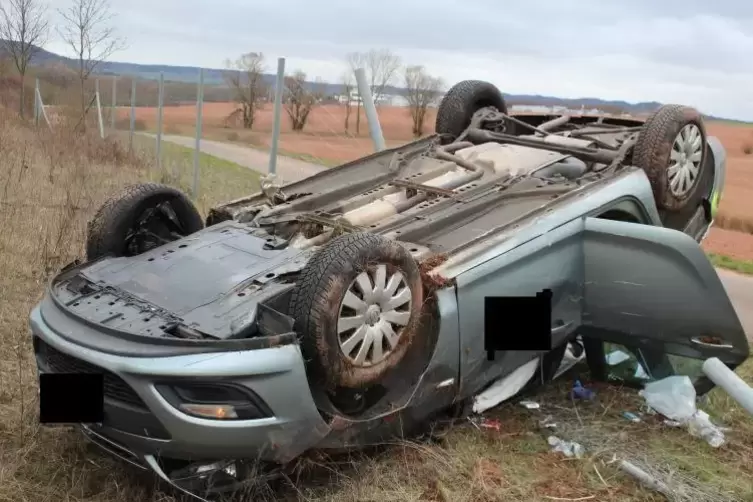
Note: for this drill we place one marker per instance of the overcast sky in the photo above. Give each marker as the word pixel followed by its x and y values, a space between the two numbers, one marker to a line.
pixel 695 52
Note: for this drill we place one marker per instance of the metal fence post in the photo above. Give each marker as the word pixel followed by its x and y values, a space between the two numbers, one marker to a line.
pixel 114 102
pixel 277 113
pixel 160 103
pixel 36 102
pixel 371 113
pixel 99 109
pixel 132 126
pixel 197 149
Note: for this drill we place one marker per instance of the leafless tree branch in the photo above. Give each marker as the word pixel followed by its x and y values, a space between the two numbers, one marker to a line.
pixel 348 86
pixel 245 76
pixel 87 28
pixel 24 29
pixel 422 91
pixel 381 66
pixel 299 99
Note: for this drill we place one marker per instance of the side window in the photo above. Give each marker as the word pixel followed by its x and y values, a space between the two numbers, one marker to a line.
pixel 627 211
pixel 635 366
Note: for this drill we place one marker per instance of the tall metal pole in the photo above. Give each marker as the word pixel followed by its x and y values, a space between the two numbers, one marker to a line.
pixel 371 113
pixel 132 126
pixel 114 102
pixel 37 104
pixel 160 103
pixel 99 110
pixel 277 113
pixel 197 148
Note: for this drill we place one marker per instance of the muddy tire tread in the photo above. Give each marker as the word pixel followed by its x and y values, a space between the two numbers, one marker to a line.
pixel 103 228
pixel 654 146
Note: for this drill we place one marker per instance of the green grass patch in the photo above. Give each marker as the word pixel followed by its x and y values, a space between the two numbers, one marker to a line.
pixel 741 266
pixel 219 180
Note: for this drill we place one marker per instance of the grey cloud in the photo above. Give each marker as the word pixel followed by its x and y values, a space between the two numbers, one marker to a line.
pixel 695 48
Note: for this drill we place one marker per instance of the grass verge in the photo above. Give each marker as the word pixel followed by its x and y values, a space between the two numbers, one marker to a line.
pixel 740 266
pixel 219 180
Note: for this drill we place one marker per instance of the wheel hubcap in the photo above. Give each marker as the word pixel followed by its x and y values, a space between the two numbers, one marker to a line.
pixel 375 310
pixel 685 160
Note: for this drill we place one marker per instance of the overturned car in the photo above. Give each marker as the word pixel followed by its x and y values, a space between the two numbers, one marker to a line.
pixel 348 307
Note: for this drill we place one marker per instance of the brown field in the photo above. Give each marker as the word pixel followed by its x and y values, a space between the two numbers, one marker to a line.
pixel 324 140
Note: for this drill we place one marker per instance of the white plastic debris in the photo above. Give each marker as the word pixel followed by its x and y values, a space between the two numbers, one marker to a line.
pixel 675 398
pixel 531 405
pixel 548 423
pixel 271 185
pixel 568 448
pixel 505 388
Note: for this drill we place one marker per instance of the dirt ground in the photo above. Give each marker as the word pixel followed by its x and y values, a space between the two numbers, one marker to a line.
pixel 324 140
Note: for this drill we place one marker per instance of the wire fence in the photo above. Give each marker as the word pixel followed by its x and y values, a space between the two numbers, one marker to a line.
pixel 202 117
pixel 139 110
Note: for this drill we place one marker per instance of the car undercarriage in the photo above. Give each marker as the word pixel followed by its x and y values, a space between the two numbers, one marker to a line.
pixel 347 308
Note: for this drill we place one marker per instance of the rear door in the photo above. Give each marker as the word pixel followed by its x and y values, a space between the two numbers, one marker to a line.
pixel 653 288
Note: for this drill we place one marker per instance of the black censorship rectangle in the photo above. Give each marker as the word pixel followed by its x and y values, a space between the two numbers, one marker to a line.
pixel 66 398
pixel 518 323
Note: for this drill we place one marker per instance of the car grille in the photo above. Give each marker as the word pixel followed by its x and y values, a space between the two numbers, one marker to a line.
pixel 114 386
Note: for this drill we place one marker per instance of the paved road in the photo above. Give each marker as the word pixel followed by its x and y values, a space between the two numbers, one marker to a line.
pixel 739 287
pixel 740 290
pixel 288 169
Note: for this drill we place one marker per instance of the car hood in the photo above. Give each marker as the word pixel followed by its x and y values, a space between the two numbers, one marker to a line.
pixel 208 280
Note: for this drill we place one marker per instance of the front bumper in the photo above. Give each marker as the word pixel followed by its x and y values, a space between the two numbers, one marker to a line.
pixel 141 426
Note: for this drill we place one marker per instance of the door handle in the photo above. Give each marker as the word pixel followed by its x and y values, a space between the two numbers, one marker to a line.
pixel 711 342
pixel 562 327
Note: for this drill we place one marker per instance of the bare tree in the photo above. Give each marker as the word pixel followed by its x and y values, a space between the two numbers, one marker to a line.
pixel 87 28
pixel 422 91
pixel 348 85
pixel 245 76
pixel 356 60
pixel 300 98
pixel 380 66
pixel 24 29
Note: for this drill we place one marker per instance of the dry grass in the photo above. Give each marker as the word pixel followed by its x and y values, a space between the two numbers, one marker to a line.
pixel 50 184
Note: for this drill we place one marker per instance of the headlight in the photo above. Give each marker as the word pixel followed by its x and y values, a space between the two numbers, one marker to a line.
pixel 216 401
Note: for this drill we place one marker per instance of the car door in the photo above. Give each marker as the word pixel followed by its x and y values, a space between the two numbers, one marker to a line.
pixel 653 289
pixel 551 261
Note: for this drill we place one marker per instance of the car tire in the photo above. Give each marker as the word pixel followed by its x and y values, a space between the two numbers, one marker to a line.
pixel 172 215
pixel 673 145
pixel 460 103
pixel 337 321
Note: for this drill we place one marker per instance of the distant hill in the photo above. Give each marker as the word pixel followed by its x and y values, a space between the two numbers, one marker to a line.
pixel 214 77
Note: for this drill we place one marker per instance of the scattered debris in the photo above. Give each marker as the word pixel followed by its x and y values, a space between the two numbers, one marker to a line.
pixel 672 423
pixel 675 398
pixel 631 416
pixel 531 405
pixel 547 423
pixel 645 478
pixel 490 424
pixel 580 392
pixel 568 448
pixel 505 388
pixel 485 423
